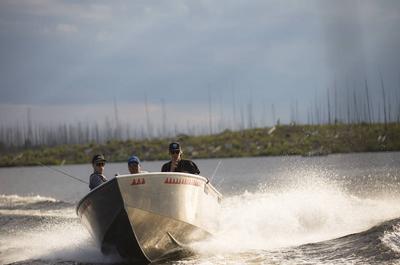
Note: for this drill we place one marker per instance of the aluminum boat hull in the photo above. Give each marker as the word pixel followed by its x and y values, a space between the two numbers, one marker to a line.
pixel 147 216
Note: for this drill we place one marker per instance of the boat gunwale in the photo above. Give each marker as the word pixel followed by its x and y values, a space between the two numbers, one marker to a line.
pixel 147 174
pixel 96 189
pixel 181 174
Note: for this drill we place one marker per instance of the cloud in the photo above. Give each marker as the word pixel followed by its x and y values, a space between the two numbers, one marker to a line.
pixel 104 36
pixel 88 10
pixel 67 28
pixel 72 52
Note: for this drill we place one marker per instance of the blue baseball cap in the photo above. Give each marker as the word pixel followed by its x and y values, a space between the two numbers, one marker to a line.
pixel 133 160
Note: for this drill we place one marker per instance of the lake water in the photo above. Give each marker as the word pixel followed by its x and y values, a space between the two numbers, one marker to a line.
pixel 336 209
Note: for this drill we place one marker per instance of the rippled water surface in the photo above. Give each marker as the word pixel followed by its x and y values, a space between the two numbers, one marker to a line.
pixel 336 209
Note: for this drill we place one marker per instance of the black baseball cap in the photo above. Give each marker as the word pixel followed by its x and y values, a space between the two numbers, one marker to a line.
pixel 174 146
pixel 98 159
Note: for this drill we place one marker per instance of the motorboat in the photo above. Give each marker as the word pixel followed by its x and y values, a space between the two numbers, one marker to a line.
pixel 147 216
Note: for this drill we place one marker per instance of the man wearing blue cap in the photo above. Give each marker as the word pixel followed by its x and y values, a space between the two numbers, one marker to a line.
pixel 134 165
pixel 177 164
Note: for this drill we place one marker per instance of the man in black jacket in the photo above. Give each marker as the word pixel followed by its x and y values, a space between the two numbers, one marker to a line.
pixel 97 178
pixel 177 164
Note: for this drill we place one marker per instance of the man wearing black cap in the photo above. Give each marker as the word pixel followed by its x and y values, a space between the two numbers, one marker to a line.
pixel 177 164
pixel 97 178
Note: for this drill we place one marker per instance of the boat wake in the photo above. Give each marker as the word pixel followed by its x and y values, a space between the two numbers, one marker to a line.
pixel 391 237
pixel 44 229
pixel 314 222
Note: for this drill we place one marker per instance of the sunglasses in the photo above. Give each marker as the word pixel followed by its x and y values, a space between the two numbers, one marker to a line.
pixel 100 164
pixel 175 152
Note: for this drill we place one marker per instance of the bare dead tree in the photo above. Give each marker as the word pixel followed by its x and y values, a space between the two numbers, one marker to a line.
pixel 292 118
pixel 148 122
pixel 242 118
pixel 221 113
pixel 250 115
pixel 234 123
pixel 328 106
pixel 210 112
pixel 164 118
pixel 369 109
pixel 348 105
pixel 384 100
pixel 389 110
pixel 398 102
pixel 356 114
pixel 29 121
pixel 335 101
pixel 273 114
pixel 117 129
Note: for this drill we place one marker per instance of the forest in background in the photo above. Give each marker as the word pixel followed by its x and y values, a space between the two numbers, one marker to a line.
pixel 305 140
pixel 350 102
pixel 346 118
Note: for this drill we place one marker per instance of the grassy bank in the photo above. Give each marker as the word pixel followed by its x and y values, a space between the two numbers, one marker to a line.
pixel 279 140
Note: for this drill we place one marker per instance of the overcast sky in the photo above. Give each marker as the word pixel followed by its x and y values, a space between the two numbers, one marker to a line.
pixel 71 60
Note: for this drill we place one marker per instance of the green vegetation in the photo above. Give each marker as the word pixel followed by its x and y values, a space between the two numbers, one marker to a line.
pixel 304 140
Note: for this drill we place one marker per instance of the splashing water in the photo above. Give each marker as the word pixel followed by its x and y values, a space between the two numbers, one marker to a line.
pixel 44 234
pixel 257 226
pixel 311 211
pixel 392 238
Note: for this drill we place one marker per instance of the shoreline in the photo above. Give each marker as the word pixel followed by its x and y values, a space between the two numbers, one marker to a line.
pixel 280 140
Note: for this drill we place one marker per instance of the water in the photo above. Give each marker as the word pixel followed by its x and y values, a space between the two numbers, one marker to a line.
pixel 337 209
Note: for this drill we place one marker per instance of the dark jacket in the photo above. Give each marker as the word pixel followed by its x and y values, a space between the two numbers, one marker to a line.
pixel 96 179
pixel 183 166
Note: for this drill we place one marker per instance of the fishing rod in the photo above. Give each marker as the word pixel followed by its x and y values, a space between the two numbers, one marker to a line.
pixel 219 183
pixel 215 170
pixel 63 172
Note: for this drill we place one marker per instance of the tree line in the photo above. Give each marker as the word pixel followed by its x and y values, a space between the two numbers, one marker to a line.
pixel 348 103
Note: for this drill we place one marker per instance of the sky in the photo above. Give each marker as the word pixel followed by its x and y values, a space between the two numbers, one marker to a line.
pixel 175 62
